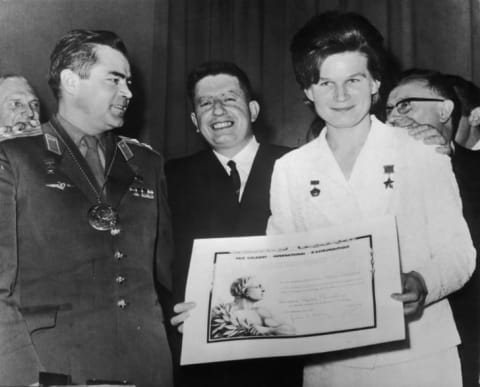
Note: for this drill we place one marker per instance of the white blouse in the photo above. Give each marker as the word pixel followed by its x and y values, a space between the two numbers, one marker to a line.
pixel 396 175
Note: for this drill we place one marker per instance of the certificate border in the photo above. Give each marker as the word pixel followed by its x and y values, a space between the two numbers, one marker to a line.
pixel 374 325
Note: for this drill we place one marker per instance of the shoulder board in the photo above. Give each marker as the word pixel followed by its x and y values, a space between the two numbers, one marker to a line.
pixel 134 141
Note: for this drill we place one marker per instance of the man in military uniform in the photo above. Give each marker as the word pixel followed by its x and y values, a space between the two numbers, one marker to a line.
pixel 19 108
pixel 85 232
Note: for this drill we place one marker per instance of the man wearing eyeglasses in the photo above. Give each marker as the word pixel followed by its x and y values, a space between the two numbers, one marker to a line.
pixel 425 103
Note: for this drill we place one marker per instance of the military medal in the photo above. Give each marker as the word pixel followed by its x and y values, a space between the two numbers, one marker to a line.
pixel 315 191
pixel 50 166
pixel 102 217
pixel 388 170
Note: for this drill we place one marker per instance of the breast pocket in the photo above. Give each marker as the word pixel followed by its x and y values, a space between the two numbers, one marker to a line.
pixel 43 317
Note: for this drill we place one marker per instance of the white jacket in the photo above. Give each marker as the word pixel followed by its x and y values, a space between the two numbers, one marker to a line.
pixel 423 195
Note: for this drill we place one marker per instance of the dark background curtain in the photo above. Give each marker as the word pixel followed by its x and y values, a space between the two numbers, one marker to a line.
pixel 166 38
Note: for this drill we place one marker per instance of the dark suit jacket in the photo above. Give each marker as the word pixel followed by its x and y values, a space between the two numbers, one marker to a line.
pixel 75 300
pixel 465 302
pixel 204 205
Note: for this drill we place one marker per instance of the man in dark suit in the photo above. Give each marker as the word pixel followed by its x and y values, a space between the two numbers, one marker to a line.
pixel 84 224
pixel 210 197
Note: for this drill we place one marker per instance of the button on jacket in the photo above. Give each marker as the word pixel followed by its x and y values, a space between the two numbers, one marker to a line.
pixel 73 299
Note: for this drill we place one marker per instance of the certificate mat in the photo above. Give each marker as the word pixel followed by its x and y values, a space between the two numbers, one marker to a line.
pixel 293 294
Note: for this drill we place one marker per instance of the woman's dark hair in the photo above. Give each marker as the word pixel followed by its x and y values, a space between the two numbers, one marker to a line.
pixel 335 32
pixel 77 51
pixel 239 287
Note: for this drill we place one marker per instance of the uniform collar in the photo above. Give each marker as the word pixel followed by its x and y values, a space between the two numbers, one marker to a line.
pixel 76 133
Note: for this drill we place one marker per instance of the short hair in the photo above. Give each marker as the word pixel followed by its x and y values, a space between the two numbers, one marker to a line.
pixel 437 82
pixel 4 77
pixel 239 287
pixel 334 32
pixel 21 78
pixel 77 51
pixel 215 68
pixel 468 93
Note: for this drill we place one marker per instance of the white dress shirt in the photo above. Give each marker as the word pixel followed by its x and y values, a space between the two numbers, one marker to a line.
pixel 423 195
pixel 476 146
pixel 243 160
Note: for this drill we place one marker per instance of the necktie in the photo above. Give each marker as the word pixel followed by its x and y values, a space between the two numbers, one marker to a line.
pixel 235 177
pixel 93 159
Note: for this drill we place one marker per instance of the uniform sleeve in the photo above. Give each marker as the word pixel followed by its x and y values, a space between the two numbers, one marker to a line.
pixel 452 255
pixel 282 219
pixel 19 363
pixel 164 245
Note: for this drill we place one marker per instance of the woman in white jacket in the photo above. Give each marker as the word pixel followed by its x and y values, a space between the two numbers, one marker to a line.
pixel 362 168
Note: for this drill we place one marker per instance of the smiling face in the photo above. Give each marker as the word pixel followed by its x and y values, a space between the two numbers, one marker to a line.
pixel 18 103
pixel 222 113
pixel 343 95
pixel 101 100
pixel 421 112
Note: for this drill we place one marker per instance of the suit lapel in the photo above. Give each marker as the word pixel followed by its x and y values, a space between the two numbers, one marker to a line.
pixel 70 162
pixel 256 177
pixel 219 181
pixel 219 196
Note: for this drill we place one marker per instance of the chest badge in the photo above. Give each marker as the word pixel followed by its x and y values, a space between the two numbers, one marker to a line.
pixel 52 144
pixel 61 185
pixel 315 189
pixel 389 171
pixel 139 190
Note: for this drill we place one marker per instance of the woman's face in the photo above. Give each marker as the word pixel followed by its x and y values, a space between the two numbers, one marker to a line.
pixel 343 94
pixel 255 290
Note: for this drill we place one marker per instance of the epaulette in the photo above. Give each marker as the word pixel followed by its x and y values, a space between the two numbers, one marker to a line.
pixel 134 141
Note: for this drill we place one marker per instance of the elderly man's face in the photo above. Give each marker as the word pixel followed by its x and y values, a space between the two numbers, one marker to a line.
pixel 415 102
pixel 18 103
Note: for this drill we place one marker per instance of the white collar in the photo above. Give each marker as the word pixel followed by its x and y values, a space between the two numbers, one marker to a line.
pixel 243 159
pixel 476 146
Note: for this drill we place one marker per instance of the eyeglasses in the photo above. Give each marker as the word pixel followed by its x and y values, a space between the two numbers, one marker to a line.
pixel 405 105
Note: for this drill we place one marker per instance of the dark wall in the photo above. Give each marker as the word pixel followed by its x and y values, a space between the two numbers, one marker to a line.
pixel 166 38
pixel 30 28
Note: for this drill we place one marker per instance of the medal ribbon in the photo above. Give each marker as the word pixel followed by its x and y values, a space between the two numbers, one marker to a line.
pixel 101 216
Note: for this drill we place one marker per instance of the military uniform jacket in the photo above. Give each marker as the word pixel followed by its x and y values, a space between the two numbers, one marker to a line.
pixel 73 299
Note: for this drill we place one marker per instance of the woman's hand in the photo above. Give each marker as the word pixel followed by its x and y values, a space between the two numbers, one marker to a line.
pixel 414 293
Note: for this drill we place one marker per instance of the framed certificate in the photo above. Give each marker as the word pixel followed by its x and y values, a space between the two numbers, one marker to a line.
pixel 293 294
